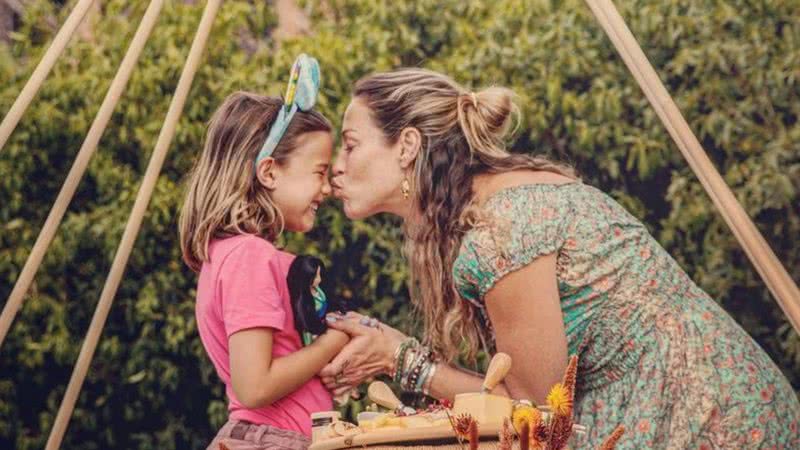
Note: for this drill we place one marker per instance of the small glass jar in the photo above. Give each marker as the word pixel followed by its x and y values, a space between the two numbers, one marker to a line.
pixel 320 421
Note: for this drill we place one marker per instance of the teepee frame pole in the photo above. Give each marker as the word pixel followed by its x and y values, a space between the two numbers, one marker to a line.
pixel 75 174
pixel 755 246
pixel 49 59
pixel 133 226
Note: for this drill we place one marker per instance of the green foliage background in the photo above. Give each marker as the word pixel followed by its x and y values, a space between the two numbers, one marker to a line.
pixel 732 66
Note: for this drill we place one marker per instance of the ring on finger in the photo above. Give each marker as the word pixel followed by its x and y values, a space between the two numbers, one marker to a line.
pixel 370 322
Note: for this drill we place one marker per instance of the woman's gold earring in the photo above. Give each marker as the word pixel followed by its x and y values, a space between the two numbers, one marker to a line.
pixel 405 188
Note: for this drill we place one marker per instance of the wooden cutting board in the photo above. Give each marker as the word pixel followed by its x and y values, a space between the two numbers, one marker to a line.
pixel 421 437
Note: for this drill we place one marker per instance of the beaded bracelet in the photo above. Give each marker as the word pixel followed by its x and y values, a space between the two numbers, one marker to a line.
pixel 426 386
pixel 423 376
pixel 404 370
pixel 414 366
pixel 393 370
pixel 414 370
pixel 425 362
pixel 407 362
pixel 400 357
pixel 417 372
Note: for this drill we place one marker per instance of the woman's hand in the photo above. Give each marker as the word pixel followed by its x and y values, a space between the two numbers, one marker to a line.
pixel 370 352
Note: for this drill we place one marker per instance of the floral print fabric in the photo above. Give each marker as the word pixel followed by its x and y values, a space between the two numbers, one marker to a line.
pixel 657 354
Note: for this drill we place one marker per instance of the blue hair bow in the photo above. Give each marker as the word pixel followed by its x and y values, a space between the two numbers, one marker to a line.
pixel 301 93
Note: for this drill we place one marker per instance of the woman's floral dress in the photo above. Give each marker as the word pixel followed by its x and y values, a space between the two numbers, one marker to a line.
pixel 656 353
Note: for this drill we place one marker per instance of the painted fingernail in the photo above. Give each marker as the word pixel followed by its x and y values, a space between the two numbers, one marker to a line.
pixel 331 318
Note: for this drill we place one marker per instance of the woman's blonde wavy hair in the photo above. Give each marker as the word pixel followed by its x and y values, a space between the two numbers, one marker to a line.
pixel 223 196
pixel 463 134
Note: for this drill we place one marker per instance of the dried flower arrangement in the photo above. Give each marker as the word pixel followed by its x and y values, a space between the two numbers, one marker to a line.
pixel 535 430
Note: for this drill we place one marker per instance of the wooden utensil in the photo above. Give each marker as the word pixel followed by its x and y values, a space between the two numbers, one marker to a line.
pixel 382 394
pixel 497 371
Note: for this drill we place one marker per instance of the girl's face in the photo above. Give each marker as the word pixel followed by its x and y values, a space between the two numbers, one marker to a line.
pixel 300 184
pixel 367 172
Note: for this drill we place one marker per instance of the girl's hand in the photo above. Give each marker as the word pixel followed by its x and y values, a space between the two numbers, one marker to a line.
pixel 370 352
pixel 334 338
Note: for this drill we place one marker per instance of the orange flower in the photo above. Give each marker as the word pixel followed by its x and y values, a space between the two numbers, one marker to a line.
pixel 474 438
pixel 525 437
pixel 570 375
pixel 525 414
pixel 506 436
pixel 559 432
pixel 462 425
pixel 611 440
pixel 559 400
pixel 539 436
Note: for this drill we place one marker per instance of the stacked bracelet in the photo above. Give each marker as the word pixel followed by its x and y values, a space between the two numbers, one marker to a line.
pixel 426 386
pixel 400 357
pixel 413 366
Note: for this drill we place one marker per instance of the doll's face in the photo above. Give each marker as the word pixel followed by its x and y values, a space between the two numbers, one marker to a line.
pixel 317 279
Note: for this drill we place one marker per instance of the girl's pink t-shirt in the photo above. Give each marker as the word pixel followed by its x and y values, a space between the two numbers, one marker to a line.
pixel 243 286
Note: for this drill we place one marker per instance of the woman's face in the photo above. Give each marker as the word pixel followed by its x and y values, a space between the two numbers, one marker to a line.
pixel 367 172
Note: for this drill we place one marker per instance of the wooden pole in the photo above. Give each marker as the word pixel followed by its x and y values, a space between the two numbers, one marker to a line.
pixel 40 73
pixel 133 226
pixel 78 168
pixel 755 246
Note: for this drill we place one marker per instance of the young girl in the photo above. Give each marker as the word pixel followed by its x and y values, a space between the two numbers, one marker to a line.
pixel 263 170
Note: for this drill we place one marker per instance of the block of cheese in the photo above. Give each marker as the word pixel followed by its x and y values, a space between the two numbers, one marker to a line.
pixel 382 421
pixel 391 421
pixel 487 409
pixel 426 420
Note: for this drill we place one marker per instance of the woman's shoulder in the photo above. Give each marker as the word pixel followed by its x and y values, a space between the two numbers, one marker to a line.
pixel 488 186
pixel 521 218
pixel 522 197
pixel 521 214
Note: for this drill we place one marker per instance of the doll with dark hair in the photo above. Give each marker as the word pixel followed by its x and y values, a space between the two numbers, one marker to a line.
pixel 309 302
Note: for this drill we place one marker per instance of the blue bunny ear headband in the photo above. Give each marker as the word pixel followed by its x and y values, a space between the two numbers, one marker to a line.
pixel 301 93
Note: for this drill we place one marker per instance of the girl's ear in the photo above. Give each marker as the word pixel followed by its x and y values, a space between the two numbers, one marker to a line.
pixel 266 173
pixel 410 145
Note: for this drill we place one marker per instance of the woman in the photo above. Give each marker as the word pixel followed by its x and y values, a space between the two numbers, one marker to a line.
pixel 517 253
